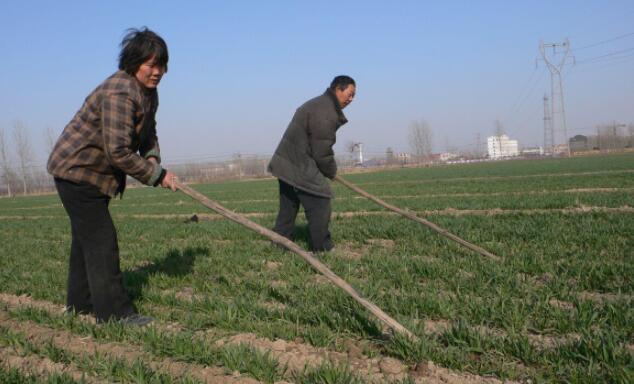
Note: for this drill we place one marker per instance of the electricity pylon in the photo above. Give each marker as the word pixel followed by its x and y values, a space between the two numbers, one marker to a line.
pixel 558 111
pixel 548 128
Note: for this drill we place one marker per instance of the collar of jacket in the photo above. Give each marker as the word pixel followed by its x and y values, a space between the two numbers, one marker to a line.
pixel 342 117
pixel 140 88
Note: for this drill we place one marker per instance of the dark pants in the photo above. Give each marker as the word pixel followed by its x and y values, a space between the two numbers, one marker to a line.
pixel 317 210
pixel 95 283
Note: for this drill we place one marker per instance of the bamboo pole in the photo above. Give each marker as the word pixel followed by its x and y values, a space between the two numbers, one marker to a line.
pixel 420 220
pixel 308 256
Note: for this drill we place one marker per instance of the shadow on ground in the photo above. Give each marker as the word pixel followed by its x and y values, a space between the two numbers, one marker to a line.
pixel 176 263
pixel 301 235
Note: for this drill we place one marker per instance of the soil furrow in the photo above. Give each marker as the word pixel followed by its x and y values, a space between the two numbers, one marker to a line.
pixel 87 346
pixel 347 214
pixel 296 355
pixel 41 367
pixel 488 178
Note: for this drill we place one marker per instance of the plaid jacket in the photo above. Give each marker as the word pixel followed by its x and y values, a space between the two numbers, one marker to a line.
pixel 111 136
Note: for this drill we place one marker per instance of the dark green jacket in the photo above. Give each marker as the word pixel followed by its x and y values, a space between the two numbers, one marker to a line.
pixel 304 158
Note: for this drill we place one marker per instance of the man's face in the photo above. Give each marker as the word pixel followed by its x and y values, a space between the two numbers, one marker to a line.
pixel 344 97
pixel 150 73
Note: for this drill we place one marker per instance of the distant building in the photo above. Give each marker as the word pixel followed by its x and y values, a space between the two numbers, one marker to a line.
pixel 533 151
pixel 502 146
pixel 560 149
pixel 446 156
pixel 403 158
pixel 578 143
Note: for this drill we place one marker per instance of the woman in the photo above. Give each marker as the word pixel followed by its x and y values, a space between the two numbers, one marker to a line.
pixel 111 136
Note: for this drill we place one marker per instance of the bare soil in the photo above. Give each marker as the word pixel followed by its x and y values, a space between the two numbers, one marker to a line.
pixel 565 305
pixel 350 251
pixel 383 243
pixel 348 214
pixel 41 367
pixel 77 345
pixel 296 355
pixel 517 193
pixel 601 298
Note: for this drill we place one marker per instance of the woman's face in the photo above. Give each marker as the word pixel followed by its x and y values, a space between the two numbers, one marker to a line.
pixel 150 73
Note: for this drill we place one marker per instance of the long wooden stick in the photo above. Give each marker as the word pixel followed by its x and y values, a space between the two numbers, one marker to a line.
pixel 412 216
pixel 308 256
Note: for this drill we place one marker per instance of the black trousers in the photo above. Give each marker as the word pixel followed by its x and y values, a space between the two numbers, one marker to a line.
pixel 317 210
pixel 95 283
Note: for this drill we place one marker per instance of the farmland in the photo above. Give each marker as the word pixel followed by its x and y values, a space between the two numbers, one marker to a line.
pixel 557 306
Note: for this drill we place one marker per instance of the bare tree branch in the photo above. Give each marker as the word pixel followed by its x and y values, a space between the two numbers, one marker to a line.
pixel 420 139
pixel 4 161
pixel 24 151
pixel 50 139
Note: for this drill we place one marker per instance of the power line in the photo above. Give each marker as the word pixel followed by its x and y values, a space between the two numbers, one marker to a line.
pixel 597 58
pixel 604 41
pixel 519 106
pixel 521 94
pixel 606 63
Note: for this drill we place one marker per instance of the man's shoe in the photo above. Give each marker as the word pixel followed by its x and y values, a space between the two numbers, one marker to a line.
pixel 136 320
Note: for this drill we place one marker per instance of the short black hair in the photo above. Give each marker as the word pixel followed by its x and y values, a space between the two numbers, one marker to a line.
pixel 341 82
pixel 138 46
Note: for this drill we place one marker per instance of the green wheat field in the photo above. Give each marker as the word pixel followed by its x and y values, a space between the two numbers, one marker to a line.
pixel 557 306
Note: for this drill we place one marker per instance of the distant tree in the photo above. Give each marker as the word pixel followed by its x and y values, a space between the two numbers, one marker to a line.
pixel 609 136
pixel 389 156
pixel 254 166
pixel 630 131
pixel 50 140
pixel 237 161
pixel 23 150
pixel 4 161
pixel 350 148
pixel 420 139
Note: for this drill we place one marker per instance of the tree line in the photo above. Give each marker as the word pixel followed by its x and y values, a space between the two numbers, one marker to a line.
pixel 19 173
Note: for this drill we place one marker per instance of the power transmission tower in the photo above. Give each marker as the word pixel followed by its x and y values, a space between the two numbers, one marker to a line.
pixel 557 110
pixel 548 128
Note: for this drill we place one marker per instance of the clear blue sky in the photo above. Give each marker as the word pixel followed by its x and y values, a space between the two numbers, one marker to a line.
pixel 239 69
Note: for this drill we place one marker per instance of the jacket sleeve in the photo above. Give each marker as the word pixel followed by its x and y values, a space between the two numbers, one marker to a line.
pixel 322 137
pixel 150 144
pixel 118 111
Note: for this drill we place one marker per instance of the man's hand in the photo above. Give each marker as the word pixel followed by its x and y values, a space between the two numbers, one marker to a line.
pixel 169 181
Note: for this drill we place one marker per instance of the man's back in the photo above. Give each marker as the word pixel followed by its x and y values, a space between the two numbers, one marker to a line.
pixel 304 158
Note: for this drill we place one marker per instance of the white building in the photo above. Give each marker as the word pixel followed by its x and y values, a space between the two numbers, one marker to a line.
pixel 403 158
pixel 533 151
pixel 446 156
pixel 501 146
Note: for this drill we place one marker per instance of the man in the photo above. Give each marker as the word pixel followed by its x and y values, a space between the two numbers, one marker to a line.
pixel 111 136
pixel 304 160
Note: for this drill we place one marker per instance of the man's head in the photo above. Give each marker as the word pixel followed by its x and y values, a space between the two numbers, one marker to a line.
pixel 344 89
pixel 144 56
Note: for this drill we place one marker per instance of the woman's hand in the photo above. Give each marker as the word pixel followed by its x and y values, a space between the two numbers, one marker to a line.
pixel 169 181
